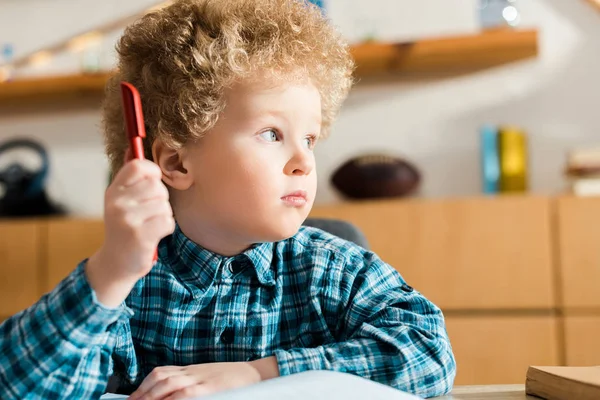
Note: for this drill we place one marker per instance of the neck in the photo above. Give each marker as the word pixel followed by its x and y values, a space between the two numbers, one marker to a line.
pixel 212 239
pixel 206 234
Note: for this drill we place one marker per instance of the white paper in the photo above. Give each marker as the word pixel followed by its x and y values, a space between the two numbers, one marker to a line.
pixel 312 385
pixel 315 385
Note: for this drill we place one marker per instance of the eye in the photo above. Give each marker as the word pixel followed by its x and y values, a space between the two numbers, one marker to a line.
pixel 310 141
pixel 270 135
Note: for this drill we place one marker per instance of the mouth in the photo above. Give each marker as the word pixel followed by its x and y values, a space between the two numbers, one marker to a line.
pixel 297 198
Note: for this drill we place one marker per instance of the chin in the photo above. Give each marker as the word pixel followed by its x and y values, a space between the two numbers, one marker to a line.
pixel 277 226
pixel 282 234
pixel 276 233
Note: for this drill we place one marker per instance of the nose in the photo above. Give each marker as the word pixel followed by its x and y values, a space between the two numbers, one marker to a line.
pixel 302 162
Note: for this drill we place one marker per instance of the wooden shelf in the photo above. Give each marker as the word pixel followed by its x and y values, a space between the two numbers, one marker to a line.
pixel 434 57
pixel 447 56
pixel 52 88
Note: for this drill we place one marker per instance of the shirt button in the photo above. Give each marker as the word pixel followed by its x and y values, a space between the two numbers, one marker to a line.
pixel 227 336
pixel 236 267
pixel 407 288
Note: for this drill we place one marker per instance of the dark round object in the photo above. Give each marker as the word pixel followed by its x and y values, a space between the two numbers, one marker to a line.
pixel 23 191
pixel 376 176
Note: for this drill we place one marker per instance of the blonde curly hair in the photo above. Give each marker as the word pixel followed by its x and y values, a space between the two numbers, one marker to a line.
pixel 182 58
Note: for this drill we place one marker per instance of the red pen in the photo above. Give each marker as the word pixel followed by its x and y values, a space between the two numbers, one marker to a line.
pixel 134 124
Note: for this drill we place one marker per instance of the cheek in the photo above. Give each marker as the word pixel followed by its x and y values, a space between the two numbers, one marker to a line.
pixel 312 184
pixel 259 176
pixel 250 175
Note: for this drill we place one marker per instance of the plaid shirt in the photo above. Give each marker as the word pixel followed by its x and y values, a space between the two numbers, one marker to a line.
pixel 313 301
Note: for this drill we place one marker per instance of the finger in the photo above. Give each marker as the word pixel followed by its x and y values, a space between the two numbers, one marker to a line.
pixel 135 171
pixel 157 375
pixel 169 386
pixel 146 189
pixel 192 392
pixel 137 214
pixel 162 225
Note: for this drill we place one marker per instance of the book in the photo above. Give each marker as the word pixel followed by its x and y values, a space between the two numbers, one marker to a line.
pixel 513 160
pixel 583 172
pixel 490 167
pixel 585 186
pixel 504 159
pixel 584 158
pixel 563 383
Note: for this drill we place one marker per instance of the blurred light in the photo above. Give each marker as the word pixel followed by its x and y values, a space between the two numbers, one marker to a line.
pixel 511 15
pixel 40 58
pixel 85 41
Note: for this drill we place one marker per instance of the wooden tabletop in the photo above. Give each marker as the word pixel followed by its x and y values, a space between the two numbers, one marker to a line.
pixel 488 392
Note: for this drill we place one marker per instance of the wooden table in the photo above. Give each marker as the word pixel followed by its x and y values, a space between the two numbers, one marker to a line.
pixel 489 392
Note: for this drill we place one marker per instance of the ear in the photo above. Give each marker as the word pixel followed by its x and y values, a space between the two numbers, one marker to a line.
pixel 170 162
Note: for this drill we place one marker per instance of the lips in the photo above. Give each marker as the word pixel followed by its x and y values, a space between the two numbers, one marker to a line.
pixel 297 198
pixel 297 193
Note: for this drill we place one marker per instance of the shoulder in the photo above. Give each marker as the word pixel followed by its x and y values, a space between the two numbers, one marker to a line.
pixel 321 247
pixel 318 240
pixel 343 269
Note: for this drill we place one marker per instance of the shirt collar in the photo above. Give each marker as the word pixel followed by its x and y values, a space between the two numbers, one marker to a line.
pixel 195 263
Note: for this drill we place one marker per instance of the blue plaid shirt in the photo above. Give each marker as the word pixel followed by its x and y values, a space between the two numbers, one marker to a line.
pixel 313 301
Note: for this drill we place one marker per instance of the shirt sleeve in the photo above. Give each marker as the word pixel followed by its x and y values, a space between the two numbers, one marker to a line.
pixel 61 346
pixel 388 332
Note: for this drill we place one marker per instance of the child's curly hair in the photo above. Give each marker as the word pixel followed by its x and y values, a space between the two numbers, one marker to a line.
pixel 182 57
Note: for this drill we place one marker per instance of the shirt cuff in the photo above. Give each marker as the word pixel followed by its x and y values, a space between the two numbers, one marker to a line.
pixel 300 360
pixel 78 315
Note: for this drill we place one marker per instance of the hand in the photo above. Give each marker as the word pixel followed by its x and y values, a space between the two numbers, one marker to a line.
pixel 137 215
pixel 174 383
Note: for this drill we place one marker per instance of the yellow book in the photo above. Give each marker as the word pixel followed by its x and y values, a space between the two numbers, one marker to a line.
pixel 512 157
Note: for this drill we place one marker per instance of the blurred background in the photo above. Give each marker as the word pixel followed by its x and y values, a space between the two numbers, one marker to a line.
pixel 468 153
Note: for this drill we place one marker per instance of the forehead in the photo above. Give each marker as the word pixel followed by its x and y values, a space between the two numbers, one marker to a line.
pixel 272 94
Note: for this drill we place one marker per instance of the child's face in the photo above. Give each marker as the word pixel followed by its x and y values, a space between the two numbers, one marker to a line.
pixel 254 175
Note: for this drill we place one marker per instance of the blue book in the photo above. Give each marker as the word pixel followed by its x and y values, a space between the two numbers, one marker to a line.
pixel 490 164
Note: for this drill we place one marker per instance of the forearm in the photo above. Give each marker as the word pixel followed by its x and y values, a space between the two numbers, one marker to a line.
pixel 423 367
pixel 387 332
pixel 110 290
pixel 58 344
pixel 266 367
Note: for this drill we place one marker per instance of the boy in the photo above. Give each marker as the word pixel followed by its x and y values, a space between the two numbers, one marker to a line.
pixel 236 94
